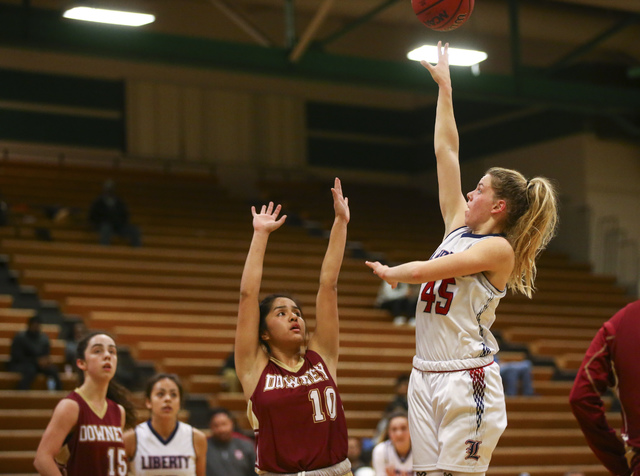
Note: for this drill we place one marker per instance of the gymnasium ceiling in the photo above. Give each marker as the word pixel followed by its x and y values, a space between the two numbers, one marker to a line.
pixel 570 56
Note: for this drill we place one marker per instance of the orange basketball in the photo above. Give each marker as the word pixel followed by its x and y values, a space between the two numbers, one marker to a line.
pixel 443 15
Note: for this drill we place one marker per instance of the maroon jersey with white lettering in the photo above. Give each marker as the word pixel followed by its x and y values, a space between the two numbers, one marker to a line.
pixel 298 418
pixel 95 445
pixel 611 361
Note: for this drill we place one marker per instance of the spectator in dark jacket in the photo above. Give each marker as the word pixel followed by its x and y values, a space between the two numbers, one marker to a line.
pixel 31 355
pixel 109 215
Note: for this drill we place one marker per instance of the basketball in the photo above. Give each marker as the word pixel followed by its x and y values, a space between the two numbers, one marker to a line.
pixel 443 15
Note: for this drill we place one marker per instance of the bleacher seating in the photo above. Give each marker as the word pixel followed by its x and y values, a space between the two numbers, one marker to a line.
pixel 173 301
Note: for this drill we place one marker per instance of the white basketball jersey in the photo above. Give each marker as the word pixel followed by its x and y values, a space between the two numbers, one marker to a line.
pixel 156 457
pixel 453 316
pixel 385 455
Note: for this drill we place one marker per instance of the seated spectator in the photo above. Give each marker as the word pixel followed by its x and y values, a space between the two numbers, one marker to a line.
pixel 228 371
pixel 400 302
pixel 78 331
pixel 109 215
pixel 516 375
pixel 392 456
pixel 228 454
pixel 354 453
pixel 31 355
pixel 398 404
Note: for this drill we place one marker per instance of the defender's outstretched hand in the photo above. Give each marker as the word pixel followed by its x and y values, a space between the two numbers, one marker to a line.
pixel 340 202
pixel 440 72
pixel 267 220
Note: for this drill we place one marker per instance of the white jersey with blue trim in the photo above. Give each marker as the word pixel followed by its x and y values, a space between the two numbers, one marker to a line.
pixel 453 316
pixel 175 456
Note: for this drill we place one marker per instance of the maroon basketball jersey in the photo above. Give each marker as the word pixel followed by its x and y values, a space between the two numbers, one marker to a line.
pixel 95 445
pixel 298 418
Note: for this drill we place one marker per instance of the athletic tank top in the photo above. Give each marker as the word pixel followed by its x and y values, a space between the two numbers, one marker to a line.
pixel 454 315
pixel 297 417
pixel 155 456
pixel 95 445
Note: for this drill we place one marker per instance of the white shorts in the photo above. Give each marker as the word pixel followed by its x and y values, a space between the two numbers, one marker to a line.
pixel 456 418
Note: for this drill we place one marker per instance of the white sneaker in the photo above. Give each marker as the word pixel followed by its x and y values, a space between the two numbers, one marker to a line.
pixel 399 320
pixel 412 322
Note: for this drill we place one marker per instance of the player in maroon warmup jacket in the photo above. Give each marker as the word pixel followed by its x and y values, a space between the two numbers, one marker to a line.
pixel 294 405
pixel 612 360
pixel 87 425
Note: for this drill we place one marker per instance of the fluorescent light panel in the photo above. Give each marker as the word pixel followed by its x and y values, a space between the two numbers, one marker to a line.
pixel 115 17
pixel 457 56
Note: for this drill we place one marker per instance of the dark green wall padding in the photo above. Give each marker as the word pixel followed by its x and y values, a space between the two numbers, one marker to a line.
pixel 364 144
pixel 61 129
pixel 30 117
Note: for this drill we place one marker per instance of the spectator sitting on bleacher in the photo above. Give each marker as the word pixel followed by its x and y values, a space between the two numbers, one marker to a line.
pixel 31 355
pixel 393 454
pixel 399 403
pixel 109 214
pixel 400 302
pixel 78 331
pixel 228 371
pixel 516 374
pixel 355 455
pixel 228 452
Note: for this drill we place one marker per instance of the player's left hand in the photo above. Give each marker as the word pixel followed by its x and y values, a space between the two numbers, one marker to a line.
pixel 340 202
pixel 380 270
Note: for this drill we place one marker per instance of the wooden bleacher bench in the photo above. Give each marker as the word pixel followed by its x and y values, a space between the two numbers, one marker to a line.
pixel 57 346
pixel 542 437
pixel 568 310
pixel 506 321
pixel 189 366
pixel 16 316
pixel 529 334
pixel 156 351
pixel 8 330
pixel 30 400
pixel 570 361
pixel 583 298
pixel 550 470
pixel 40 277
pixel 17 440
pixel 17 462
pixel 557 347
pixel 542 455
pixel 147 253
pixel 375 354
pixel 6 301
pixel 9 381
pixel 551 403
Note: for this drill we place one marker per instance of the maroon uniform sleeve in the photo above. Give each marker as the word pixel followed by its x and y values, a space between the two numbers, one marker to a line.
pixel 593 378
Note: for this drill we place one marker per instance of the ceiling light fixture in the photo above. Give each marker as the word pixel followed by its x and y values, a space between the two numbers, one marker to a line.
pixel 457 56
pixel 114 17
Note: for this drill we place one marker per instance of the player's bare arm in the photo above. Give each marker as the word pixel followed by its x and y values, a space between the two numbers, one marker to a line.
pixel 493 256
pixel 325 339
pixel 249 356
pixel 447 145
pixel 200 445
pixel 64 418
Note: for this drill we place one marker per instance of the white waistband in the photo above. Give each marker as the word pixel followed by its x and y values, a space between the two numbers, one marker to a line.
pixel 451 365
pixel 339 469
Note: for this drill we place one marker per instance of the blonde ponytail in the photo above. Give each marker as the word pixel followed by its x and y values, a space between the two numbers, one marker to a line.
pixel 532 218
